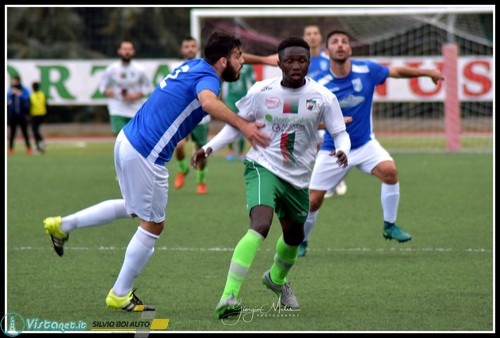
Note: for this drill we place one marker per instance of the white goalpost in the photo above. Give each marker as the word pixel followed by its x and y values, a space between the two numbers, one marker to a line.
pixel 409 114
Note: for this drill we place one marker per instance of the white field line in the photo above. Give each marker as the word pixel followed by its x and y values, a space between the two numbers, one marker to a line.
pixel 166 248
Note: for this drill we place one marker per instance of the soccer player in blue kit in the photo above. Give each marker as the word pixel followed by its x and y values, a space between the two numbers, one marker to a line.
pixel 354 82
pixel 143 147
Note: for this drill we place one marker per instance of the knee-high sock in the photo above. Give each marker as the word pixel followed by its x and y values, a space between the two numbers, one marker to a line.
pixel 200 175
pixel 309 224
pixel 183 166
pixel 139 250
pixel 102 213
pixel 285 258
pixel 242 259
pixel 389 197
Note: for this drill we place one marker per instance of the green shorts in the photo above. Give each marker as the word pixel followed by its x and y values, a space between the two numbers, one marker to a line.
pixel 118 122
pixel 265 188
pixel 199 135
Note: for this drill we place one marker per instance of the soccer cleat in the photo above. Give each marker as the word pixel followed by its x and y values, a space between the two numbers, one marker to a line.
pixel 52 227
pixel 227 307
pixel 201 189
pixel 179 180
pixel 341 188
pixel 130 302
pixel 302 249
pixel 284 292
pixel 29 151
pixel 10 151
pixel 392 231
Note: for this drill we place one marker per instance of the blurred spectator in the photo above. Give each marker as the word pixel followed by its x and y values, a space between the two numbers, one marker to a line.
pixel 18 110
pixel 38 112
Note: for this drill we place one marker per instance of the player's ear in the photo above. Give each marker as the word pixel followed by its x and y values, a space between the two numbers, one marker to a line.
pixel 223 62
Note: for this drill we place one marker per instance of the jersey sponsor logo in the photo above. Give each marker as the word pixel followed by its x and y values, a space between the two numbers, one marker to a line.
pixel 351 101
pixel 272 102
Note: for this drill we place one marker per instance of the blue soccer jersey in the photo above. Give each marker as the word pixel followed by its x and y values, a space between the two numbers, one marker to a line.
pixel 172 111
pixel 319 63
pixel 355 95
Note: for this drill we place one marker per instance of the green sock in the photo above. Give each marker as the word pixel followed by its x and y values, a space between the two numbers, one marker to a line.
pixel 242 145
pixel 200 175
pixel 183 166
pixel 242 259
pixel 285 258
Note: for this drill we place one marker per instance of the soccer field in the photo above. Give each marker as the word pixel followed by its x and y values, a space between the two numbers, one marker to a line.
pixel 350 280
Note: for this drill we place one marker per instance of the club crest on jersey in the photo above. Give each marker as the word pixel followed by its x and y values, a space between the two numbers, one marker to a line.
pixel 357 85
pixel 311 104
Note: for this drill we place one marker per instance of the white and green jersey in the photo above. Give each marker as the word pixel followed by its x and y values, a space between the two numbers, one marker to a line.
pixel 291 118
pixel 131 78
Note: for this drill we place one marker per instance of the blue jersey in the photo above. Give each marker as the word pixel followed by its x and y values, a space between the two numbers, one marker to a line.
pixel 355 94
pixel 172 111
pixel 319 63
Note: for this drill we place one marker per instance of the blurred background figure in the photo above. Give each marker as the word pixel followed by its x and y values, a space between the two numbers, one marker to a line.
pixel 126 84
pixel 18 111
pixel 199 135
pixel 232 92
pixel 38 113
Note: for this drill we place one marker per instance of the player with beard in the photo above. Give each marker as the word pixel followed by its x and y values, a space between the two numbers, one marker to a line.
pixel 142 149
pixel 277 177
pixel 126 84
pixel 354 82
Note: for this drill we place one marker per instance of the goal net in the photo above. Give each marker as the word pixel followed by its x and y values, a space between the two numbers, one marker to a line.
pixel 408 114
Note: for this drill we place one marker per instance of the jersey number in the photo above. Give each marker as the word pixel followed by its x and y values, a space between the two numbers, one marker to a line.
pixel 173 75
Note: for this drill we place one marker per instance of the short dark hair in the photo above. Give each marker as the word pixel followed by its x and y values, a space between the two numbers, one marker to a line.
pixel 335 32
pixel 126 41
pixel 188 38
pixel 293 42
pixel 220 45
pixel 35 86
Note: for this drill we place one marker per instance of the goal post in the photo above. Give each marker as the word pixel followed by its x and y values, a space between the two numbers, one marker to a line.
pixel 408 114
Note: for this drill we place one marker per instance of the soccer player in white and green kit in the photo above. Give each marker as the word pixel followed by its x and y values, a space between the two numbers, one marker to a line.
pixel 277 177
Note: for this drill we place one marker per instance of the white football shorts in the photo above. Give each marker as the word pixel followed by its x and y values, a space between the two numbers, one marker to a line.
pixel 143 184
pixel 327 173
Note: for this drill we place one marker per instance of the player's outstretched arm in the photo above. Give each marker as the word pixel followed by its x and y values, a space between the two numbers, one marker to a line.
pixel 216 108
pixel 410 72
pixel 252 59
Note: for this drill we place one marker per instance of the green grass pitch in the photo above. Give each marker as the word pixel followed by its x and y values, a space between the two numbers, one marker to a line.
pixel 351 279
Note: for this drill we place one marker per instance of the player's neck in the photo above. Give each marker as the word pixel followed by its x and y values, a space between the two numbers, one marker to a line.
pixel 340 69
pixel 315 51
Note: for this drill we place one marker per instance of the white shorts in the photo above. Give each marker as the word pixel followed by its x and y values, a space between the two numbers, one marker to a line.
pixel 327 173
pixel 143 184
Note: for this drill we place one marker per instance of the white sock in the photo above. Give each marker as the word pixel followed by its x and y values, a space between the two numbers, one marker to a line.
pixel 390 200
pixel 309 224
pixel 139 250
pixel 102 213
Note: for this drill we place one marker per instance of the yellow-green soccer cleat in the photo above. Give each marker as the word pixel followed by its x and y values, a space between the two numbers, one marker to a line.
pixel 52 227
pixel 130 302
